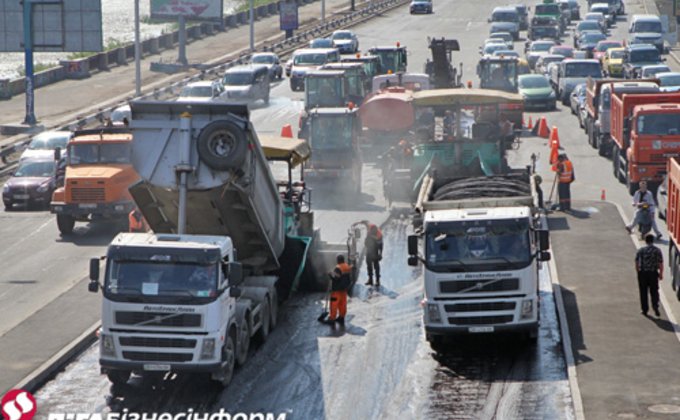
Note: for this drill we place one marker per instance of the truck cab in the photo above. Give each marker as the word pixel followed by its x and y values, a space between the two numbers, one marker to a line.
pixel 371 65
pixel 334 141
pixel 637 56
pixel 499 73
pixel 393 59
pixel 567 74
pixel 357 80
pixel 98 173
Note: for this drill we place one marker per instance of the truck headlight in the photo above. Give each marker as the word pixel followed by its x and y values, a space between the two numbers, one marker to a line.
pixel 527 309
pixel 107 346
pixel 433 312
pixel 5 188
pixel 208 349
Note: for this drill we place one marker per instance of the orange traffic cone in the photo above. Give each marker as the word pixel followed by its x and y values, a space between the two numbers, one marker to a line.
pixel 603 196
pixel 287 131
pixel 543 130
pixel 530 126
pixel 554 137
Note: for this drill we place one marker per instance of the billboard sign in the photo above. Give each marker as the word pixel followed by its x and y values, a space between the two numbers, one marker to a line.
pixel 58 25
pixel 190 9
pixel 288 15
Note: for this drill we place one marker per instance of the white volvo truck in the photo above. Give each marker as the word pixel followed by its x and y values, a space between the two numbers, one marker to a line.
pixel 228 242
pixel 481 243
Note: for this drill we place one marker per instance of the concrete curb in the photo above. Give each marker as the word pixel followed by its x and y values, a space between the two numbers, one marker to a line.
pixel 47 370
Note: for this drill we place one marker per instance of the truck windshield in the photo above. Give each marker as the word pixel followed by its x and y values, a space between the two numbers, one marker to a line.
pixel 389 60
pixel 583 70
pixel 475 245
pixel 659 124
pixel 142 279
pixel 87 153
pixel 237 79
pixel 504 17
pixel 501 75
pixel 650 55
pixel 310 59
pixel 547 9
pixel 324 92
pixel 330 132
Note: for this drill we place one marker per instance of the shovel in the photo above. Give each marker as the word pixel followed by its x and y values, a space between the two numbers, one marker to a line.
pixel 326 311
pixel 548 203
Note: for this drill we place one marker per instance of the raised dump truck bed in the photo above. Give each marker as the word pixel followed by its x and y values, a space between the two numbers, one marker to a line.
pixel 231 190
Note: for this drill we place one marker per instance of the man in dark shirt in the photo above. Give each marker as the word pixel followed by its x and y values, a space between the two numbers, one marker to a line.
pixel 649 266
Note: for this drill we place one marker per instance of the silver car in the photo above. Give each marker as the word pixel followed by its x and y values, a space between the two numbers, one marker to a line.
pixel 246 84
pixel 345 41
pixel 271 61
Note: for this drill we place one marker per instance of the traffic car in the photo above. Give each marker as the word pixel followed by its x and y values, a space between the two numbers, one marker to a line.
pixel 589 40
pixel 321 43
pixel 601 48
pixel 246 84
pixel 612 62
pixel 31 184
pixel 544 61
pixel 505 19
pixel 607 11
pixel 597 17
pixel 563 50
pixel 584 25
pixel 544 27
pixel 669 81
pixel 536 49
pixel 505 37
pixel 203 91
pixel 505 53
pixel 577 98
pixel 575 9
pixel 420 6
pixel 271 61
pixel 307 59
pixel 650 72
pixel 492 47
pixel 44 144
pixel 523 12
pixel 646 29
pixel 536 91
pixel 345 41
pixel 637 56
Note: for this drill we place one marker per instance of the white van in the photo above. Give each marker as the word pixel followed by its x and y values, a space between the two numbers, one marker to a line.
pixel 308 59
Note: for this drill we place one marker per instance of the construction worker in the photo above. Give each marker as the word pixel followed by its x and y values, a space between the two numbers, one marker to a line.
pixel 374 249
pixel 565 174
pixel 341 280
pixel 136 221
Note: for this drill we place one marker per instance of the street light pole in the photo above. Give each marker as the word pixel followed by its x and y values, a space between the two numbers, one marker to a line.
pixel 138 54
pixel 252 25
pixel 353 6
pixel 323 11
pixel 28 63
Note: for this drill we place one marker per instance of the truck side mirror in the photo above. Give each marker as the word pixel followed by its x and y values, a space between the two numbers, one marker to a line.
pixel 94 269
pixel 543 239
pixel 57 154
pixel 413 261
pixel 235 292
pixel 544 256
pixel 413 245
pixel 235 273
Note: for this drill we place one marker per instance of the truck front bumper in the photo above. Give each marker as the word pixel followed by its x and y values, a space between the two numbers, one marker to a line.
pixel 472 329
pixel 108 365
pixel 106 210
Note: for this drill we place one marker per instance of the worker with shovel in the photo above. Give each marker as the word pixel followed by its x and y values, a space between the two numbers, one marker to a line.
pixel 341 280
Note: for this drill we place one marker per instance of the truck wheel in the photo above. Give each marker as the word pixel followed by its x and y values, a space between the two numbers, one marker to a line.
pixel 223 377
pixel 263 332
pixel 596 136
pixel 118 377
pixel 65 223
pixel 532 336
pixel 436 343
pixel 243 342
pixel 601 147
pixel 222 145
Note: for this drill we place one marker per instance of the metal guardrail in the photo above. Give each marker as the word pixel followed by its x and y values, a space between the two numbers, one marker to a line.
pixel 283 47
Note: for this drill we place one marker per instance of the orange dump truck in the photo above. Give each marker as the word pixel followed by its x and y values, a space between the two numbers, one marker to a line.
pixel 98 174
pixel 645 130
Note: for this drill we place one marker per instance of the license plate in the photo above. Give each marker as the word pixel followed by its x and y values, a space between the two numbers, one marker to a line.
pixel 87 206
pixel 156 368
pixel 21 196
pixel 480 329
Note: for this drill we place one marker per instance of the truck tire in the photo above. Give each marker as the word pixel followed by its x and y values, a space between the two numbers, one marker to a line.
pixel 436 343
pixel 118 377
pixel 263 332
pixel 222 145
pixel 595 136
pixel 243 341
pixel 601 146
pixel 223 378
pixel 532 336
pixel 65 223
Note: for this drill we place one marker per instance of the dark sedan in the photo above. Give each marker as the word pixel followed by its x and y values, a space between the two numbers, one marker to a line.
pixel 32 184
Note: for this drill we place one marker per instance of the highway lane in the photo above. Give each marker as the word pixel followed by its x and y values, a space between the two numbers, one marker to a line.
pixel 380 366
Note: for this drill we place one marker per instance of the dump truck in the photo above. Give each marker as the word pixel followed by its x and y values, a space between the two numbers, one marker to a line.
pixel 463 135
pixel 228 243
pixel 481 242
pixel 598 105
pixel 98 173
pixel 442 73
pixel 673 221
pixel 645 131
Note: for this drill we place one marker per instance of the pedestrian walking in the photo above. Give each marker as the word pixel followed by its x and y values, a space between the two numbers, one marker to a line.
pixel 341 280
pixel 374 248
pixel 641 199
pixel 649 267
pixel 565 174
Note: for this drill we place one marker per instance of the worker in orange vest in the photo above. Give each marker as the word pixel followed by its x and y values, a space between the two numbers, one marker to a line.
pixel 341 280
pixel 136 221
pixel 565 174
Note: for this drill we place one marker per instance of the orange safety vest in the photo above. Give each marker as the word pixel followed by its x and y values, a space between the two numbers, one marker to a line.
pixel 566 171
pixel 135 224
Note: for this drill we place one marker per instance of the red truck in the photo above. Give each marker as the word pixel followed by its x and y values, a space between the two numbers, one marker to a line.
pixel 645 130
pixel 673 220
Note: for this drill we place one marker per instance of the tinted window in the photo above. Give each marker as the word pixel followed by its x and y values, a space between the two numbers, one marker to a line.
pixel 583 70
pixel 533 82
pixel 547 9
pixel 647 27
pixel 264 59
pixel 644 55
pixel 673 80
pixel 504 17
pixel 309 59
pixel 48 142
pixel 659 124
pixel 237 79
pixel 35 169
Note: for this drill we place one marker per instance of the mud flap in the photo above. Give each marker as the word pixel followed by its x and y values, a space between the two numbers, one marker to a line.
pixel 294 266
